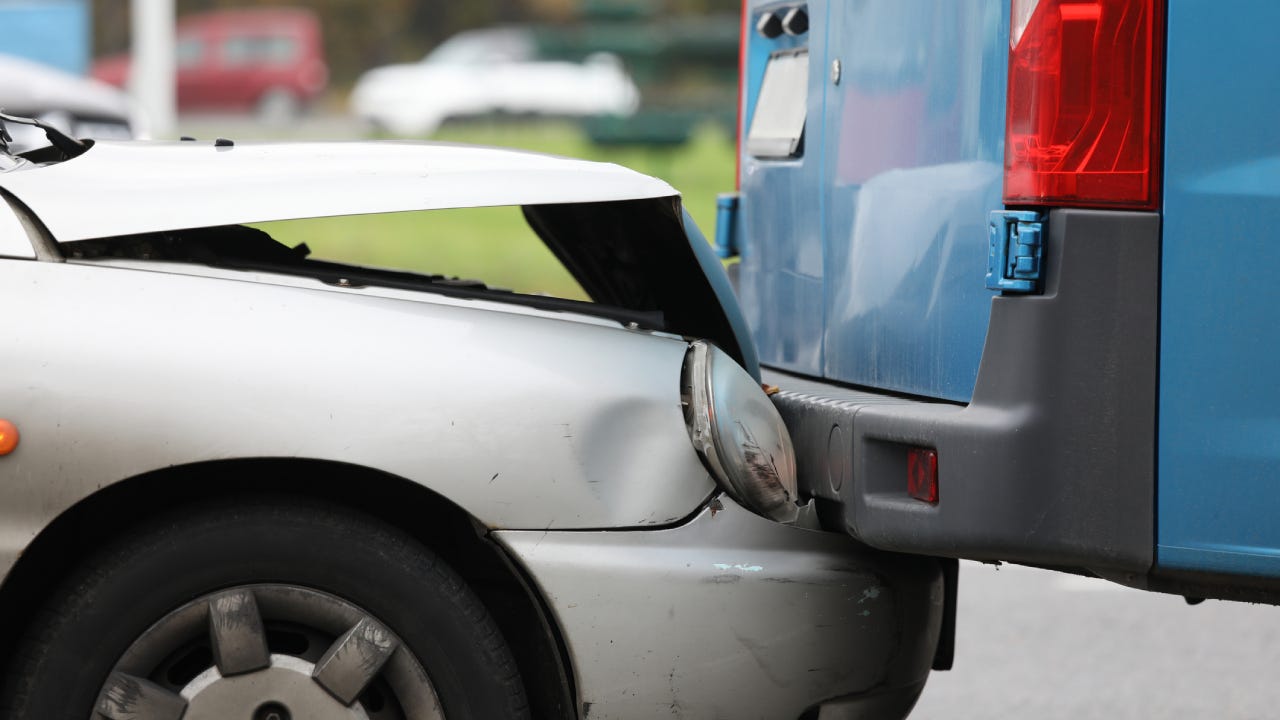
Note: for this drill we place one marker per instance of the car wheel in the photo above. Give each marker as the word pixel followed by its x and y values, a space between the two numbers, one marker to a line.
pixel 278 105
pixel 263 611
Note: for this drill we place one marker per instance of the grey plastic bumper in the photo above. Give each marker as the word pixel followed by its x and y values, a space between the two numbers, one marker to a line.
pixel 1053 461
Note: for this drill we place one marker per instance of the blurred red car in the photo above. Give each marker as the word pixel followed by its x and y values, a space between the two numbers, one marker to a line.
pixel 267 60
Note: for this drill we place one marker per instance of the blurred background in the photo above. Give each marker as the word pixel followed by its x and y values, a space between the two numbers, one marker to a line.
pixel 649 84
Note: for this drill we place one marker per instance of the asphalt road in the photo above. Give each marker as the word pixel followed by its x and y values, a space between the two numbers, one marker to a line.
pixel 1033 644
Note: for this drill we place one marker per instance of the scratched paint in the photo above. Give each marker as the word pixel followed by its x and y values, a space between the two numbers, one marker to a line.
pixel 742 567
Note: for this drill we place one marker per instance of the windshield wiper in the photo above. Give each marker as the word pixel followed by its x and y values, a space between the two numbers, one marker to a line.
pixel 67 145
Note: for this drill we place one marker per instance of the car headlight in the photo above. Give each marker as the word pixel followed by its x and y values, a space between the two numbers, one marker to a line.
pixel 739 433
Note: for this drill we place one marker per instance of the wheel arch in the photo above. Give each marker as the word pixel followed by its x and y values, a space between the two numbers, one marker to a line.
pixel 448 530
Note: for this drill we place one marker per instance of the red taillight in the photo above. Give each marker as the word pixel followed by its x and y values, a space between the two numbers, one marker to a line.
pixel 922 474
pixel 1083 107
pixel 742 78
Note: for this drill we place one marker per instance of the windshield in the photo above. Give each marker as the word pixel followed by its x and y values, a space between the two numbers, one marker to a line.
pixel 483 48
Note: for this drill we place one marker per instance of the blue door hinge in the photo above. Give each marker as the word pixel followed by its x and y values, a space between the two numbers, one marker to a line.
pixel 726 242
pixel 1015 252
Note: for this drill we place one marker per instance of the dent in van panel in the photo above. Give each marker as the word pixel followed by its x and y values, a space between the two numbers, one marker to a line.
pixel 910 299
pixel 780 277
pixel 915 133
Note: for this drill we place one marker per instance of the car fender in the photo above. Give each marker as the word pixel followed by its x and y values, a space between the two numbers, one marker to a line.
pixel 524 419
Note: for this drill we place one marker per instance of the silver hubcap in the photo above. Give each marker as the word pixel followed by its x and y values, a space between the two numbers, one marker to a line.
pixel 268 652
pixel 282 691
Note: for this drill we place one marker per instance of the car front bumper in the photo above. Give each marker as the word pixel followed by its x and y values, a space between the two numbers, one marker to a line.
pixel 731 615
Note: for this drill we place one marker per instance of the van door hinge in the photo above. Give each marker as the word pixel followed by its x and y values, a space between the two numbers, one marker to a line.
pixel 1015 250
pixel 726 243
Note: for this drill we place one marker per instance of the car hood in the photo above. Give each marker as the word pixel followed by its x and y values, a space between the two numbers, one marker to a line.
pixel 623 235
pixel 189 185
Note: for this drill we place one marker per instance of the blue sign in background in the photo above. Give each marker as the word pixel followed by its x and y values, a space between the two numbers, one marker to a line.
pixel 53 32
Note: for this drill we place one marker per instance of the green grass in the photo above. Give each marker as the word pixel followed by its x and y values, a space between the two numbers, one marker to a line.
pixel 495 244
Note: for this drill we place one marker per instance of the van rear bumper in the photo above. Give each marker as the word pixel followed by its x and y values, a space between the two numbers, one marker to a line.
pixel 1053 461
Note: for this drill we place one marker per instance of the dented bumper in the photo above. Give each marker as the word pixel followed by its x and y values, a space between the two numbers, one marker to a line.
pixel 733 615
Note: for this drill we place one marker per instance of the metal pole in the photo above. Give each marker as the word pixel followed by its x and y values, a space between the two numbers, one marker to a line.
pixel 152 72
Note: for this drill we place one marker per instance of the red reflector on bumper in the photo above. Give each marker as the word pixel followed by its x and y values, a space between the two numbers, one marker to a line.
pixel 922 474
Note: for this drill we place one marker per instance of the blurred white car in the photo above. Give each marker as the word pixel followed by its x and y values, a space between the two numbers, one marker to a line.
pixel 485 71
pixel 79 106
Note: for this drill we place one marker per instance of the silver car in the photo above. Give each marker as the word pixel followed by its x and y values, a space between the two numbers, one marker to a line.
pixel 239 483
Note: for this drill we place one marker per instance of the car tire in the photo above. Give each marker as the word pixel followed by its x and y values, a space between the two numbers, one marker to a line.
pixel 278 105
pixel 355 618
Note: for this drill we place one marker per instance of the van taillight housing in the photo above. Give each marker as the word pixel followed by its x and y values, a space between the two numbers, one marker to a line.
pixel 1083 123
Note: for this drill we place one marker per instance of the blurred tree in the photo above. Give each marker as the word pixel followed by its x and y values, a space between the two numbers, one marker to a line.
pixel 110 27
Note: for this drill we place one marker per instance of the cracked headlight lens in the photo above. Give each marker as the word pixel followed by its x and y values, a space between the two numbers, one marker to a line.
pixel 739 433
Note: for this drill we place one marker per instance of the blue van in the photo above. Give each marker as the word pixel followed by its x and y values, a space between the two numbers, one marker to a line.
pixel 1011 265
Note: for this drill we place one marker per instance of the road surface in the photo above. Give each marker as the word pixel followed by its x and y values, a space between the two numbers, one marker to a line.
pixel 1038 645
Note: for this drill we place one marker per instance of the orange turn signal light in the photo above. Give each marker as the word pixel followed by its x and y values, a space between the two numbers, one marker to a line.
pixel 8 437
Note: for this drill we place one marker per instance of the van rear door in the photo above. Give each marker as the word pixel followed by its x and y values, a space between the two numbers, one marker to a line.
pixel 880 218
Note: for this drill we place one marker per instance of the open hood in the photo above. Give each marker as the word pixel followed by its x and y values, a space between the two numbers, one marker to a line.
pixel 623 235
pixel 133 188
pixel 647 255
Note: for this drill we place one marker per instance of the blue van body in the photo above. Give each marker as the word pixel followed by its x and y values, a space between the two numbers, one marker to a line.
pixel 1219 451
pixel 1123 419
pixel 902 163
